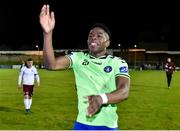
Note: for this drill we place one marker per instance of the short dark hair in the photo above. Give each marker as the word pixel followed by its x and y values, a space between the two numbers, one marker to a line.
pixel 103 26
pixel 29 59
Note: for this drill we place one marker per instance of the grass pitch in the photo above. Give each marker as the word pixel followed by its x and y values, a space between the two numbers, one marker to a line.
pixel 151 105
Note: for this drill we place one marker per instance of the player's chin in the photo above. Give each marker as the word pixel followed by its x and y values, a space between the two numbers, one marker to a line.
pixel 93 49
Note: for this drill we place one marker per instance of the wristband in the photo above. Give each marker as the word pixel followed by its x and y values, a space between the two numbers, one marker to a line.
pixel 104 98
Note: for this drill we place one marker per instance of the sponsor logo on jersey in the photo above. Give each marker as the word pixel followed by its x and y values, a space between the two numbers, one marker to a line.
pixel 123 69
pixel 108 69
pixel 98 63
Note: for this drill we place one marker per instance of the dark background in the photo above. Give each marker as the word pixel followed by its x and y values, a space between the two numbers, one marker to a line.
pixel 130 23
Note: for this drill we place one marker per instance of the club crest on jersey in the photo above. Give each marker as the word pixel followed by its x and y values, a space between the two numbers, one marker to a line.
pixel 123 69
pixel 108 69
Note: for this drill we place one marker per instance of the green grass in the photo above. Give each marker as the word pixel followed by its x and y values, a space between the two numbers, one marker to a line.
pixel 150 106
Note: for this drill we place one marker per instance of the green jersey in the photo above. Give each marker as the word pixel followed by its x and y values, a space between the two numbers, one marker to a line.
pixel 95 76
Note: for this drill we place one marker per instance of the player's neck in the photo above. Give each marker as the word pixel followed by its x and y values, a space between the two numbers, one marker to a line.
pixel 28 66
pixel 98 54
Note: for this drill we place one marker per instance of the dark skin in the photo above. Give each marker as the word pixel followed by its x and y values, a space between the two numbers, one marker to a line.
pixel 119 95
pixel 96 35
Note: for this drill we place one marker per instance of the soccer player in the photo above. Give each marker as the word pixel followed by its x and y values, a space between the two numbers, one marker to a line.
pixel 102 80
pixel 27 75
pixel 170 68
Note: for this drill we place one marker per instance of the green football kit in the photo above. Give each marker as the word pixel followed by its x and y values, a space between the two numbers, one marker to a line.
pixel 96 76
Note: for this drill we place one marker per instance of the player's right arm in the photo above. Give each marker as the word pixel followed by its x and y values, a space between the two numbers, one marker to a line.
pixel 47 21
pixel 20 77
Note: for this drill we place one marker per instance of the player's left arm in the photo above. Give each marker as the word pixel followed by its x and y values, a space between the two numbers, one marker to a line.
pixel 122 80
pixel 122 90
pixel 174 67
pixel 37 79
pixel 120 94
pixel 37 76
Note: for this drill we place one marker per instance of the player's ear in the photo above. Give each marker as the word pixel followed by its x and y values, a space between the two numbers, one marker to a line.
pixel 108 43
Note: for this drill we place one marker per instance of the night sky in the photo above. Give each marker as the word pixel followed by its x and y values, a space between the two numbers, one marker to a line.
pixel 129 23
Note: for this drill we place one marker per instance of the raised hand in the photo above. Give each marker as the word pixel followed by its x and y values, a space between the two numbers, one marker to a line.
pixel 47 19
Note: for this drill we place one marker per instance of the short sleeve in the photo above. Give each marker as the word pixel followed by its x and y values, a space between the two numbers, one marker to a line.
pixel 122 68
pixel 35 71
pixel 22 69
pixel 73 57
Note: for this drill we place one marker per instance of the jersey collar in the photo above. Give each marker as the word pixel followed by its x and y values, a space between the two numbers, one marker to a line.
pixel 101 57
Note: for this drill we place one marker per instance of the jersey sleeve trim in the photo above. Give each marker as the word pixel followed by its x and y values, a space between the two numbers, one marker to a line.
pixel 123 75
pixel 70 60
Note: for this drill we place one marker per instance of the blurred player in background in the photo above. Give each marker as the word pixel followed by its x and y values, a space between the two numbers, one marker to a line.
pixel 23 64
pixel 102 80
pixel 26 77
pixel 170 68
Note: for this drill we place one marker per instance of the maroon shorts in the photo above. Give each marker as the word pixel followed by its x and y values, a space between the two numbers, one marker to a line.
pixel 29 89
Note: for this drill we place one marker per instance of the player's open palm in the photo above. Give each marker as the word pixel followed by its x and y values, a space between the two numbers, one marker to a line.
pixel 47 19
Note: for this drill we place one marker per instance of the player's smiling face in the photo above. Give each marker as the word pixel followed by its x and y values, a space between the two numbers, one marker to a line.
pixel 98 40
